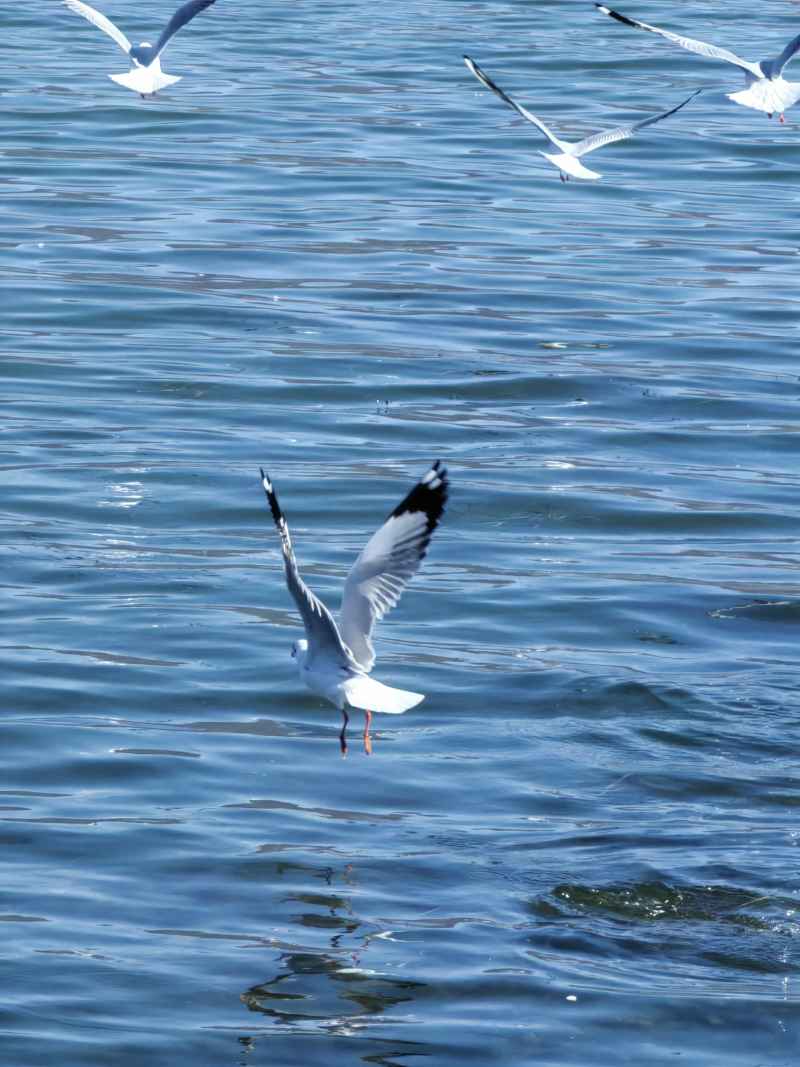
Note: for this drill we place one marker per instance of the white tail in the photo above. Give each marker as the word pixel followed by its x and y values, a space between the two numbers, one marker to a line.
pixel 570 165
pixel 370 695
pixel 145 80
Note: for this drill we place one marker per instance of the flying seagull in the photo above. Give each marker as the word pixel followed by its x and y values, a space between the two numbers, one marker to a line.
pixel 765 88
pixel 145 76
pixel 568 157
pixel 335 661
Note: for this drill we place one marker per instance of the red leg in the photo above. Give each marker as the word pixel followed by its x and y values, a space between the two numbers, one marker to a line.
pixel 367 738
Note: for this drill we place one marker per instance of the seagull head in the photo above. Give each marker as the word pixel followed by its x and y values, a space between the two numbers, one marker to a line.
pixel 142 54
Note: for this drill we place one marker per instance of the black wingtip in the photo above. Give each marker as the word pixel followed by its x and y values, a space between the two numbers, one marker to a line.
pixel 272 498
pixel 428 496
pixel 441 470
pixel 616 15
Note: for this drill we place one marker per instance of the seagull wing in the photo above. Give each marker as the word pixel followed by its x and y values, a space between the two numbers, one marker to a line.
pixel 389 561
pixel 184 14
pixel 700 48
pixel 772 67
pixel 324 641
pixel 484 78
pixel 597 140
pixel 102 23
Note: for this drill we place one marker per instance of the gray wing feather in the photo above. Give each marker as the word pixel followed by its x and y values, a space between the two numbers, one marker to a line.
pixel 101 22
pixel 184 14
pixel 389 561
pixel 597 140
pixel 700 48
pixel 773 67
pixel 323 636
pixel 484 79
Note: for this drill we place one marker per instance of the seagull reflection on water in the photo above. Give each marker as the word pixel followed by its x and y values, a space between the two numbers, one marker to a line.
pixel 311 982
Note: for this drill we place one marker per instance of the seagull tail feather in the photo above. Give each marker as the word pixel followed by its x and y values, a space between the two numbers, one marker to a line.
pixel 371 695
pixel 144 80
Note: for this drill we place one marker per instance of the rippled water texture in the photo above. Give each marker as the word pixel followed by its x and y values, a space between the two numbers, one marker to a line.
pixel 329 251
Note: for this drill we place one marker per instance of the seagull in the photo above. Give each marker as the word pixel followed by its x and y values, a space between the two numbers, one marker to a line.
pixel 765 90
pixel 568 157
pixel 335 661
pixel 145 76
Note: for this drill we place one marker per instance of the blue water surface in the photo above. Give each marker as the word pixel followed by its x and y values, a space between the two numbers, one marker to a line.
pixel 329 251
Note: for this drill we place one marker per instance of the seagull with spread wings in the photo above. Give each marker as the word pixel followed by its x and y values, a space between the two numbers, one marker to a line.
pixel 765 88
pixel 567 159
pixel 335 661
pixel 145 76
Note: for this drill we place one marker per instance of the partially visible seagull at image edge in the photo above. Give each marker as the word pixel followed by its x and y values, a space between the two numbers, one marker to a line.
pixel 335 661
pixel 145 76
pixel 567 159
pixel 765 90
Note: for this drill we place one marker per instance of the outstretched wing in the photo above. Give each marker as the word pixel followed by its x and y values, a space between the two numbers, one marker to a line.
pixel 772 67
pixel 389 561
pixel 183 15
pixel 700 48
pixel 102 23
pixel 484 79
pixel 597 140
pixel 321 630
